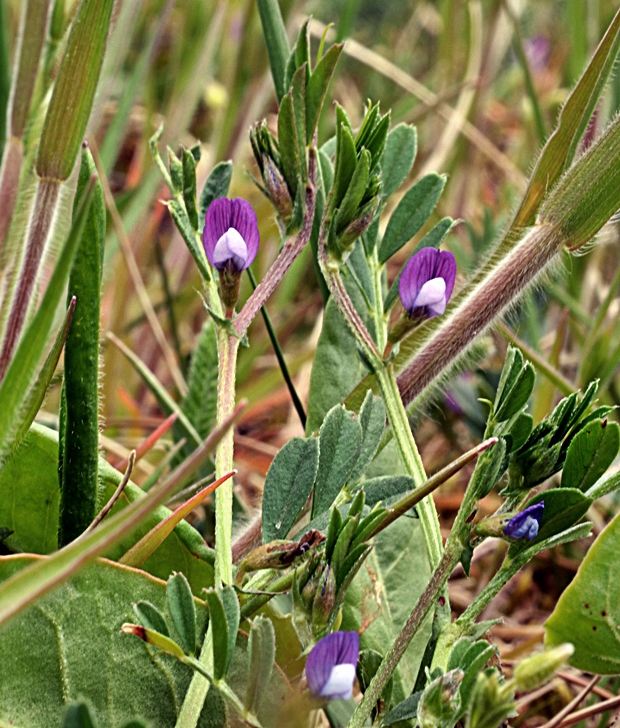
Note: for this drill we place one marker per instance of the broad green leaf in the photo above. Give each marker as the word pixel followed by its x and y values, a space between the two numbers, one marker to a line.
pixel 340 441
pixel 337 367
pixel 79 437
pixel 74 90
pixel 69 646
pixel 433 239
pixel 563 508
pixel 317 88
pixel 277 44
pixel 590 453
pixel 262 649
pixel 216 186
pixel 288 486
pixel 385 488
pixel 200 404
pixel 372 420
pixel 19 376
pixel 410 214
pixel 588 612
pixel 79 716
pixel 29 499
pixel 182 610
pixel 398 157
pixel 393 576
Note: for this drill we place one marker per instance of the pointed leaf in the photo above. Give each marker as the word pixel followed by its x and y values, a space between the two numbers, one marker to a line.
pixel 317 88
pixel 276 41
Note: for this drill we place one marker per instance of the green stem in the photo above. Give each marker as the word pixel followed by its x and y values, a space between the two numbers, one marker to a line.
pixel 411 460
pixel 227 347
pixel 199 686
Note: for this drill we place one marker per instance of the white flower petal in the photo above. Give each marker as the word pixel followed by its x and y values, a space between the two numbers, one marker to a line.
pixel 230 245
pixel 340 682
pixel 433 292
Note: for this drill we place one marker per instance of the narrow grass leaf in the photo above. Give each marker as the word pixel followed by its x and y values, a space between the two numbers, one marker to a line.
pixel 276 41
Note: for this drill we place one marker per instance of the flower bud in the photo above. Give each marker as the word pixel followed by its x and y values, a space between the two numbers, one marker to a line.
pixel 277 190
pixel 440 700
pixel 323 604
pixel 491 702
pixel 535 671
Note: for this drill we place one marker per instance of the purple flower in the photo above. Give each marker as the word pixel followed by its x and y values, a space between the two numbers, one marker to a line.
pixel 526 523
pixel 230 234
pixel 330 667
pixel 426 284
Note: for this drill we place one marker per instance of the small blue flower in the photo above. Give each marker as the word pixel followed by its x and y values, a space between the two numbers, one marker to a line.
pixel 526 523
pixel 330 667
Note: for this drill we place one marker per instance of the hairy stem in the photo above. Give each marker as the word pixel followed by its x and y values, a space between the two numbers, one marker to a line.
pixel 478 309
pixel 427 600
pixel 41 222
pixel 227 352
pixel 9 187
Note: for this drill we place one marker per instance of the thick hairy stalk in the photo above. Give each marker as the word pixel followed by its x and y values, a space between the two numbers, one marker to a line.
pixel 41 223
pixel 479 309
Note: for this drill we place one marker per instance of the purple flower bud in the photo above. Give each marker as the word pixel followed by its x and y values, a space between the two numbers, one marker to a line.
pixel 330 667
pixel 526 523
pixel 230 234
pixel 426 283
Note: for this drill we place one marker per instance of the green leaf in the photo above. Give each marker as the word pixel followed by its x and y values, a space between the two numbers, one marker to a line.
pixel 563 508
pixel 317 88
pixel 590 453
pixel 200 403
pixel 355 192
pixel 518 395
pixel 79 716
pixel 232 612
pixel 340 441
pixel 29 499
pixel 298 92
pixel 372 420
pixel 341 546
pixel 151 617
pixel 288 486
pixel 276 41
pixel 262 649
pixel 182 610
pixel 288 143
pixel 520 431
pixel 68 647
pixel 588 612
pixel 511 370
pixel 189 187
pixel 19 376
pixel 224 616
pixel 560 148
pixel 433 239
pixel 346 162
pixel 405 710
pixel 216 186
pixel 410 214
pixel 181 220
pixel 79 441
pixel 393 576
pixel 398 157
pixel 386 488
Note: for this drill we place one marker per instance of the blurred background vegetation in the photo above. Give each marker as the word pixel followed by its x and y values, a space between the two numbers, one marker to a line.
pixel 483 81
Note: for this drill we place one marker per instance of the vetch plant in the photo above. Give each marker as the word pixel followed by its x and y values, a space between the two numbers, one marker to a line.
pixel 329 600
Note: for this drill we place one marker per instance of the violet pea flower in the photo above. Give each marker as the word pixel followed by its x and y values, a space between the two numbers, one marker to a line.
pixel 330 667
pixel 426 283
pixel 230 235
pixel 526 523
